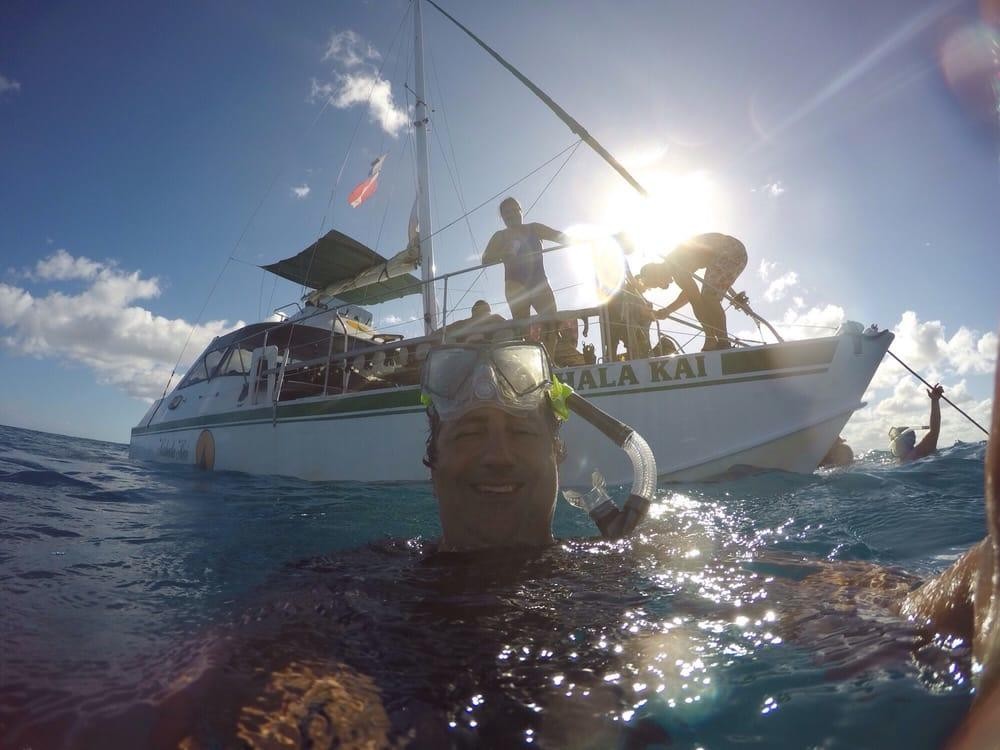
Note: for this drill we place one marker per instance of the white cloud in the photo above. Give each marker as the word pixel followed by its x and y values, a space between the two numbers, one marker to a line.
pixel 765 268
pixel 357 81
pixel 61 266
pixel 366 88
pixel 8 84
pixel 776 289
pixel 301 191
pixel 774 189
pixel 121 343
pixel 816 321
pixel 349 49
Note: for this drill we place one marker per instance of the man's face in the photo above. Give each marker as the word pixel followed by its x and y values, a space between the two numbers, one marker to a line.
pixel 511 214
pixel 496 480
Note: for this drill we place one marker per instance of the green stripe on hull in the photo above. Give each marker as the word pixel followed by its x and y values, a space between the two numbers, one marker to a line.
pixel 394 403
pixel 793 354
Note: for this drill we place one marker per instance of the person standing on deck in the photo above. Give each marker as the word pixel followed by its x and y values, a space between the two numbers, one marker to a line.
pixel 903 440
pixel 519 248
pixel 723 258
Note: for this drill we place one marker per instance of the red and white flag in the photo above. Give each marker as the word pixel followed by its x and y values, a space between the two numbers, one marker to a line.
pixel 366 188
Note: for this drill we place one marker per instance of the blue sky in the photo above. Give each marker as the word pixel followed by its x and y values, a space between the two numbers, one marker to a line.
pixel 150 152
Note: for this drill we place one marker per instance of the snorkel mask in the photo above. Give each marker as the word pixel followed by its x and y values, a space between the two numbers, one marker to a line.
pixel 517 378
pixel 901 440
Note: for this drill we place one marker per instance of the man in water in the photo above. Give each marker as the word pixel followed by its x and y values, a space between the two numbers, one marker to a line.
pixel 903 440
pixel 358 654
pixel 723 258
pixel 519 248
pixel 494 464
pixel 493 454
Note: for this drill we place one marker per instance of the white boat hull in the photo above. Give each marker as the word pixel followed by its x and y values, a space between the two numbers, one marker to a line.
pixel 778 406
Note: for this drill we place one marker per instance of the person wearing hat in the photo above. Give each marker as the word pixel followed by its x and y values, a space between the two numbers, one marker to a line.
pixel 903 440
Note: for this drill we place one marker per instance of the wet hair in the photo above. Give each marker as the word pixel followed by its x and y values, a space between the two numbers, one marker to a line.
pixel 508 201
pixel 434 431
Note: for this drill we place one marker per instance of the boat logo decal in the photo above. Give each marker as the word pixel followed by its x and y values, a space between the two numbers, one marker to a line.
pixel 175 449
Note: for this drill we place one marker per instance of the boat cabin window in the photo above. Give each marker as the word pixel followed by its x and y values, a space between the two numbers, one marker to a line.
pixel 203 368
pixel 237 363
pixel 196 374
pixel 212 360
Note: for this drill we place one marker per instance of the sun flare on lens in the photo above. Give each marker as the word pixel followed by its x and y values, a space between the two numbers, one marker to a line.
pixel 677 207
pixel 599 269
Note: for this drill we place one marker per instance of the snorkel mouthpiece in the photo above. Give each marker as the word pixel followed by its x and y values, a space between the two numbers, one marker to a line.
pixel 615 523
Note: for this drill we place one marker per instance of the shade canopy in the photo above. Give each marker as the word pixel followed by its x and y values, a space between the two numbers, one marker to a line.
pixel 341 266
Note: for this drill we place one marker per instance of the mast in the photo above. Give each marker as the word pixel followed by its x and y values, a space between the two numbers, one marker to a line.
pixel 423 178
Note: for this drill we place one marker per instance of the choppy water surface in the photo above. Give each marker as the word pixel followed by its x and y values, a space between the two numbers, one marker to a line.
pixel 149 606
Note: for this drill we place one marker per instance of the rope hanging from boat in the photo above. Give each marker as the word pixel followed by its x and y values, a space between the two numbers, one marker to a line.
pixel 943 398
pixel 561 113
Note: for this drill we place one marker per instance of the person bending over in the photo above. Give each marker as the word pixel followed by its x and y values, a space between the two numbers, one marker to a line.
pixel 723 258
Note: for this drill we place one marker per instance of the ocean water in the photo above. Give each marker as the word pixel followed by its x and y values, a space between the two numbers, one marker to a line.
pixel 153 606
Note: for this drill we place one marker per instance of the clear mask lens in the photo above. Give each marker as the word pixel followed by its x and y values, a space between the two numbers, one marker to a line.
pixel 514 377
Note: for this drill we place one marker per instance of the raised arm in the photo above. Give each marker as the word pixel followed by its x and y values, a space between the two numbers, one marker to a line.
pixel 929 443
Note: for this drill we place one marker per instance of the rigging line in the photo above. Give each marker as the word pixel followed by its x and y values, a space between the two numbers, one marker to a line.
pixel 270 300
pixel 381 150
pixel 944 398
pixel 482 271
pixel 561 113
pixel 388 203
pixel 451 146
pixel 239 241
pixel 552 179
pixel 507 189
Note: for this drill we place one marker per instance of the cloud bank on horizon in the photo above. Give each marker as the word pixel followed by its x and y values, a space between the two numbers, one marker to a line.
pixel 895 397
pixel 97 324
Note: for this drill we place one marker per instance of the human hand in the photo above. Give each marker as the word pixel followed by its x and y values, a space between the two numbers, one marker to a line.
pixel 662 314
pixel 935 393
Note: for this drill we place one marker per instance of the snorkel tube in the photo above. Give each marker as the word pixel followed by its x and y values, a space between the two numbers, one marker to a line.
pixel 613 522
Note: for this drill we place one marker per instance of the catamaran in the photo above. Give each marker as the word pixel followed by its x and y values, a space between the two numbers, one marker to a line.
pixel 324 395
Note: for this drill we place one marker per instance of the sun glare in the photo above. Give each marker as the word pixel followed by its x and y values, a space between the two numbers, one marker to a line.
pixel 678 206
